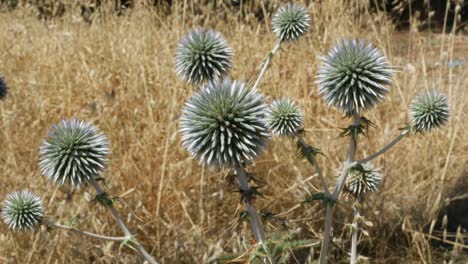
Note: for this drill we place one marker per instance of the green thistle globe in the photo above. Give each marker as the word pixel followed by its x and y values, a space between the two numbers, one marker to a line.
pixel 353 76
pixel 3 88
pixel 22 210
pixel 429 110
pixel 363 179
pixel 203 55
pixel 284 117
pixel 74 153
pixel 222 124
pixel 290 22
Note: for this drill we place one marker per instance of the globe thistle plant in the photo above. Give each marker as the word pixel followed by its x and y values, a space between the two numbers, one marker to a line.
pixel 3 88
pixel 363 178
pixel 353 76
pixel 203 55
pixel 74 153
pixel 22 210
pixel 290 22
pixel 429 110
pixel 222 125
pixel 284 117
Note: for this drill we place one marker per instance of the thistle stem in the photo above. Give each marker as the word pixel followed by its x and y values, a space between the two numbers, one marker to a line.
pixel 86 233
pixel 312 160
pixel 384 149
pixel 355 230
pixel 122 225
pixel 336 192
pixel 265 64
pixel 255 222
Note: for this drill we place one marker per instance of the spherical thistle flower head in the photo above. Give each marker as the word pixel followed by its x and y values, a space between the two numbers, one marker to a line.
pixel 222 125
pixel 291 22
pixel 362 179
pixel 429 110
pixel 3 88
pixel 353 76
pixel 284 117
pixel 22 210
pixel 203 55
pixel 74 153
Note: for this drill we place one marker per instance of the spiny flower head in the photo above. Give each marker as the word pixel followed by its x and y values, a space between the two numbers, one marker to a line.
pixel 3 88
pixel 362 179
pixel 22 210
pixel 284 117
pixel 222 125
pixel 291 22
pixel 353 76
pixel 203 55
pixel 429 110
pixel 74 153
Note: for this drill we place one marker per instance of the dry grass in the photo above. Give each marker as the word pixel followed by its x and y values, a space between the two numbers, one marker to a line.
pixel 118 73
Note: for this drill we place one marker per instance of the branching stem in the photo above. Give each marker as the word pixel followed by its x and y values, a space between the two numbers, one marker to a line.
pixel 384 149
pixel 266 63
pixel 134 242
pixel 53 224
pixel 312 160
pixel 336 192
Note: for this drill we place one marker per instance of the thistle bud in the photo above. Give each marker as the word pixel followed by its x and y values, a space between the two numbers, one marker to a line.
pixel 290 22
pixel 353 76
pixel 22 210
pixel 203 55
pixel 429 110
pixel 284 117
pixel 222 126
pixel 74 153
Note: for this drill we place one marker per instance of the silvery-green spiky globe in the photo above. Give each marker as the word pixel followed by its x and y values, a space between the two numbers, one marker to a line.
pixel 74 152
pixel 203 55
pixel 3 88
pixel 354 76
pixel 22 210
pixel 284 117
pixel 291 22
pixel 222 124
pixel 362 179
pixel 429 110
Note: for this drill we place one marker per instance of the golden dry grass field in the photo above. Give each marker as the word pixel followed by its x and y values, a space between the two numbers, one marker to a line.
pixel 118 73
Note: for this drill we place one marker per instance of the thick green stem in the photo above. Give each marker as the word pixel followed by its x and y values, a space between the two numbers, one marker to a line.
pixel 134 242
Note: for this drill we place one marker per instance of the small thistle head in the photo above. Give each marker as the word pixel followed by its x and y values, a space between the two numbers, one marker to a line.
pixel 290 22
pixel 203 55
pixel 362 179
pixel 74 153
pixel 353 76
pixel 222 125
pixel 429 110
pixel 3 88
pixel 22 210
pixel 284 117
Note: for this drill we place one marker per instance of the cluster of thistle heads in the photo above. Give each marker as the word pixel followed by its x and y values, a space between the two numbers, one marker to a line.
pixel 225 124
pixel 74 154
